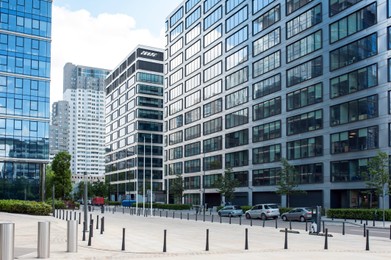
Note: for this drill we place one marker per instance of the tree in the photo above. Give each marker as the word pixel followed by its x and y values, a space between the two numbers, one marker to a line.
pixel 62 174
pixel 226 185
pixel 80 190
pixel 177 189
pixel 100 189
pixel 378 177
pixel 288 181
pixel 49 181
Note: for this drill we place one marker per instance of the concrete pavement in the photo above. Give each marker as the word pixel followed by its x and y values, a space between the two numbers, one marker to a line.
pixel 186 239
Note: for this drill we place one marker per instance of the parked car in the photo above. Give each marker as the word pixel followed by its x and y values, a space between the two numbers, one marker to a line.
pixel 263 211
pixel 300 214
pixel 230 211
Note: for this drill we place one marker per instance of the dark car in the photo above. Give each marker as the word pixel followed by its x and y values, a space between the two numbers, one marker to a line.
pixel 230 211
pixel 300 214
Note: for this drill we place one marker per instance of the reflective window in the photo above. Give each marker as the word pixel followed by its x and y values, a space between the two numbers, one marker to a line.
pixel 212 89
pixel 190 4
pixel 176 17
pixel 266 64
pixel 305 148
pixel 209 4
pixel 236 78
pixel 353 52
pixel 304 97
pixel 176 31
pixel 213 18
pixel 193 17
pixel 176 107
pixel 232 4
pixel 353 23
pixel 213 71
pixel 267 86
pixel 193 82
pixel 193 99
pixel 192 149
pixel 213 144
pixel 176 46
pixel 260 4
pixel 193 166
pixel 267 131
pixel 192 132
pixel 267 41
pixel 293 5
pixel 175 168
pixel 236 19
pixel 267 108
pixel 193 49
pixel 193 66
pixel 213 35
pixel 266 177
pixel 193 115
pixel 236 98
pixel 337 6
pixel 176 122
pixel 236 58
pixel 349 170
pixel 237 118
pixel 176 91
pixel 175 138
pixel 213 107
pixel 304 21
pixel 236 39
pixel 267 154
pixel 305 122
pixel 212 54
pixel 305 71
pixel 304 46
pixel 213 126
pixel 354 81
pixel 212 163
pixel 355 140
pixel 354 110
pixel 193 33
pixel 236 139
pixel 266 20
pixel 236 159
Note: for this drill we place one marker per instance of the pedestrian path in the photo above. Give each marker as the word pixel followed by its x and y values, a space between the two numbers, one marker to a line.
pixel 187 239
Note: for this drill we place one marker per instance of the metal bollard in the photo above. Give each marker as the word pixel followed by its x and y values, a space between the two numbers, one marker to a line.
pixel 72 236
pixel 43 239
pixel 7 241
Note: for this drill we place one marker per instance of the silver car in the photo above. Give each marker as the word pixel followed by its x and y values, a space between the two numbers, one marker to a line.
pixel 300 214
pixel 263 211
pixel 230 211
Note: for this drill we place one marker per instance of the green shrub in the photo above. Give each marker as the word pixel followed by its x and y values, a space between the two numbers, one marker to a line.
pixel 114 203
pixel 367 214
pixel 25 207
pixel 165 206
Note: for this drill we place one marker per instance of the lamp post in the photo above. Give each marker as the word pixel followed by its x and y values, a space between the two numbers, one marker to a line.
pixel 85 201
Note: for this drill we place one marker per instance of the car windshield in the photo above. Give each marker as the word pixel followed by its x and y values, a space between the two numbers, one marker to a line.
pixel 271 206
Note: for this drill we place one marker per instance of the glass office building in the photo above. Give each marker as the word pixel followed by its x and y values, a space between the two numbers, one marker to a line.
pixel 25 38
pixel 134 126
pixel 250 82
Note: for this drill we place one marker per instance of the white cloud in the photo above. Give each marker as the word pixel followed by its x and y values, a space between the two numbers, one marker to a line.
pixel 102 41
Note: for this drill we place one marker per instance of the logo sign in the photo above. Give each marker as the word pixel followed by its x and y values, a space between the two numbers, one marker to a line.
pixel 148 54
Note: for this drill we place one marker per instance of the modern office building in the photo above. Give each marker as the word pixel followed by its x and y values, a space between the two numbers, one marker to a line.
pixel 84 92
pixel 59 128
pixel 250 82
pixel 25 39
pixel 134 126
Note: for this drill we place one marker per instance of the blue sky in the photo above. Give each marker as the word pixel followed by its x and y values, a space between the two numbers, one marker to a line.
pixel 100 33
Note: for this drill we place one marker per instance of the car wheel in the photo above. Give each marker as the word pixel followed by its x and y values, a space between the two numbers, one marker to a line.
pixel 248 216
pixel 263 216
pixel 302 218
pixel 284 218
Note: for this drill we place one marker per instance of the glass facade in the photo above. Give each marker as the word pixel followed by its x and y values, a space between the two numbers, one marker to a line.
pixel 302 80
pixel 25 42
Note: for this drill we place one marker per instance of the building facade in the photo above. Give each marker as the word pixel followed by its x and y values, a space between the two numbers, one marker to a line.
pixel 134 126
pixel 59 128
pixel 84 92
pixel 250 82
pixel 25 40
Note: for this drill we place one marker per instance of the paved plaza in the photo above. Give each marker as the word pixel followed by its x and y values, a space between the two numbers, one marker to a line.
pixel 186 239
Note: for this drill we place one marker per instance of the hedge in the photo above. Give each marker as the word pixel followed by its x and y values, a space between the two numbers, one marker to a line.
pixel 165 206
pixel 25 207
pixel 367 214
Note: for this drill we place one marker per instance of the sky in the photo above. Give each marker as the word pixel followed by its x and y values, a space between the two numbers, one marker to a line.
pixel 101 33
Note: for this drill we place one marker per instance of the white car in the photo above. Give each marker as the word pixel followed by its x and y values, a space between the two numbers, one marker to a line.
pixel 263 211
